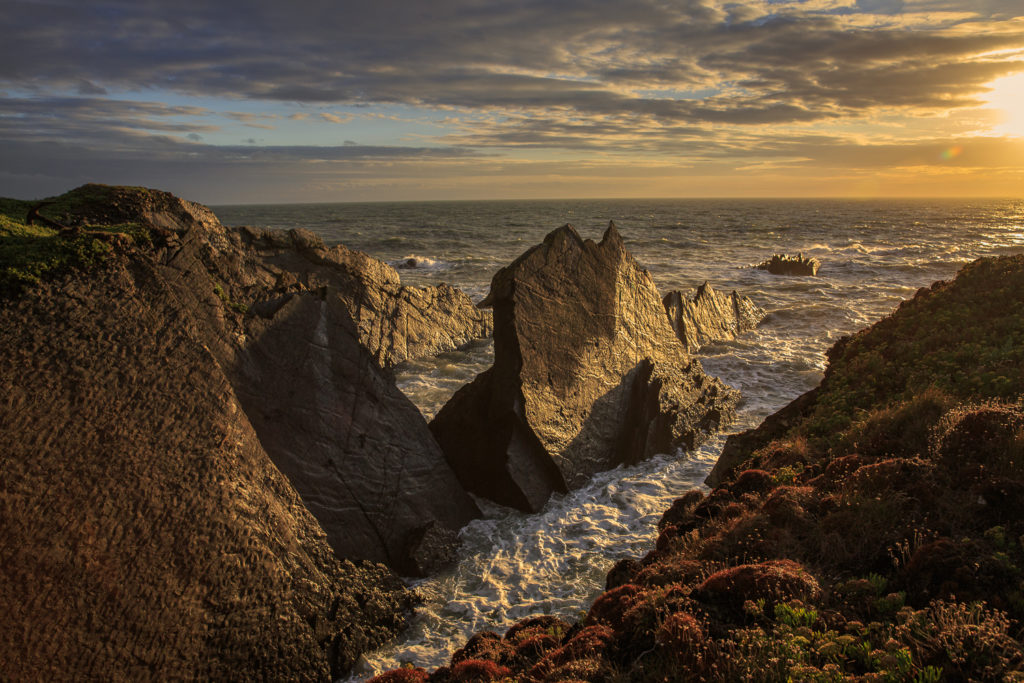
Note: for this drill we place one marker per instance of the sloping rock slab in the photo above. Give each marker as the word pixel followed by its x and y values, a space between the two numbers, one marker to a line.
pixel 395 322
pixel 144 532
pixel 707 316
pixel 356 449
pixel 587 374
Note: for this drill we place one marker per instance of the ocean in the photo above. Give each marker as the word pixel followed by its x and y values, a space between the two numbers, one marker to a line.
pixel 874 254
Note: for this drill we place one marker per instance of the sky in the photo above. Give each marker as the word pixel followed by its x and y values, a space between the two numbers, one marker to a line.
pixel 268 101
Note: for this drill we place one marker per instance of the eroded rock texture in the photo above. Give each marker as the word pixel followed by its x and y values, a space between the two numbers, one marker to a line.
pixel 144 532
pixel 587 374
pixel 147 412
pixel 708 316
pixel 276 309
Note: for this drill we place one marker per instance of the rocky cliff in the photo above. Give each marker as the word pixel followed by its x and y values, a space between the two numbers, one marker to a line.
pixel 587 374
pixel 159 373
pixel 144 531
pixel 872 530
pixel 705 316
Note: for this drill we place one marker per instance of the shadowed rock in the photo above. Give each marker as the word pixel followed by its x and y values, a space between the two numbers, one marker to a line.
pixel 276 309
pixel 709 316
pixel 782 264
pixel 144 531
pixel 587 374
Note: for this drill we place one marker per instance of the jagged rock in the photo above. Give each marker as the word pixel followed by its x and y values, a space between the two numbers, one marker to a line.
pixel 709 316
pixel 431 548
pixel 144 531
pixel 782 264
pixel 395 322
pixel 587 374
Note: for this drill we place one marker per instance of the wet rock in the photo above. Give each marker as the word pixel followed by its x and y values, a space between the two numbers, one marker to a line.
pixel 707 316
pixel 431 548
pixel 783 264
pixel 587 374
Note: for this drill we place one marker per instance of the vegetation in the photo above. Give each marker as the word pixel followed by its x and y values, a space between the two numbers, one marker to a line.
pixel 30 254
pixel 879 538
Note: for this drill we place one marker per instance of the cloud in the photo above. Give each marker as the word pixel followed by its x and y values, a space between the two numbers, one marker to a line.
pixel 334 118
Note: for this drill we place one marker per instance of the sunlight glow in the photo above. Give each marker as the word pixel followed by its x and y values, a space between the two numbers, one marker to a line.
pixel 1007 96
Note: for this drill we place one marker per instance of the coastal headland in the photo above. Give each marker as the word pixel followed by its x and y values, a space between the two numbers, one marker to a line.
pixel 209 472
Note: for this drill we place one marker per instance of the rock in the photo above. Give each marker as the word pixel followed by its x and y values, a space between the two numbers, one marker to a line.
pixel 145 532
pixel 431 548
pixel 781 264
pixel 395 322
pixel 587 374
pixel 356 449
pixel 307 379
pixel 708 316
pixel 739 447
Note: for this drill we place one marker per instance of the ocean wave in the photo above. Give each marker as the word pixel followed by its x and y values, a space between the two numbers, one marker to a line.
pixel 420 263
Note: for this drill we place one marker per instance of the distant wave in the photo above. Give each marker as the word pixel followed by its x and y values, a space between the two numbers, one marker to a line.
pixel 422 263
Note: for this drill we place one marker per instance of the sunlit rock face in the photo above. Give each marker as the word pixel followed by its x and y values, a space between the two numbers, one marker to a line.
pixel 705 316
pixel 588 374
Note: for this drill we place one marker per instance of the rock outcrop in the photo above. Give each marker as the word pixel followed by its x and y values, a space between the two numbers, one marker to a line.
pixel 144 531
pixel 782 264
pixel 395 322
pixel 708 316
pixel 276 309
pixel 587 374
pixel 168 419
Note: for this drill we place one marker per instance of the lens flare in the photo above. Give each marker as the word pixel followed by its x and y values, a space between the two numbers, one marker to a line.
pixel 951 153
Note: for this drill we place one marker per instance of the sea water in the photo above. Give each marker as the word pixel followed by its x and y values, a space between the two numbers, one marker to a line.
pixel 874 254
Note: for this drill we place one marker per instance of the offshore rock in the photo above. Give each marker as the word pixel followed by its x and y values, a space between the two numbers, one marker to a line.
pixel 144 531
pixel 782 264
pixel 708 316
pixel 587 374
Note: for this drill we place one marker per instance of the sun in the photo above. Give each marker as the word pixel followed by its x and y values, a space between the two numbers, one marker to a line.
pixel 1007 96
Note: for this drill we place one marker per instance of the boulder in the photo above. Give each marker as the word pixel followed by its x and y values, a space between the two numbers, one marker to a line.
pixel 781 264
pixel 587 374
pixel 707 316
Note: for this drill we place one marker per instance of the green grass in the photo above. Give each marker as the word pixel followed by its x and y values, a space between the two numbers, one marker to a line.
pixel 30 254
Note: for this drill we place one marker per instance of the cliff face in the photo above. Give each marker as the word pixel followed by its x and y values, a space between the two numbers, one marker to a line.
pixel 150 404
pixel 587 374
pixel 275 310
pixel 871 530
pixel 145 532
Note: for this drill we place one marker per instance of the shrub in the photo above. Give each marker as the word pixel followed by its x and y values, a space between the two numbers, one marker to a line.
pixel 478 671
pixel 772 581
pixel 402 675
